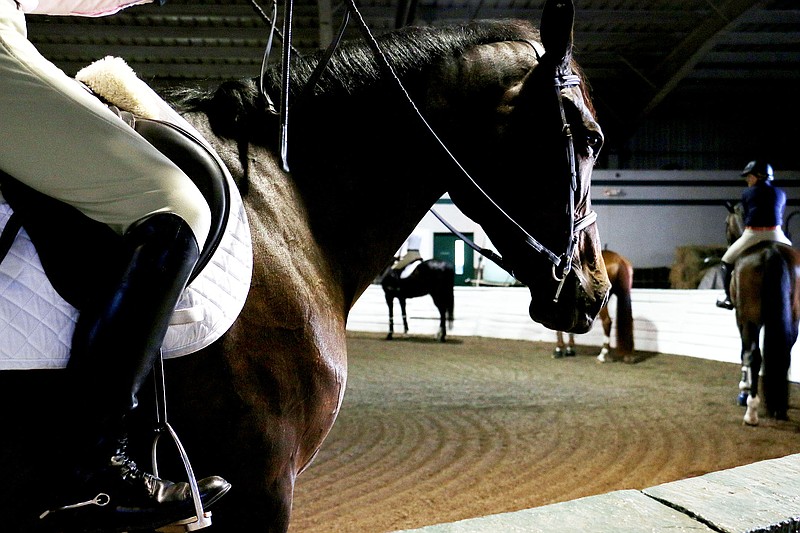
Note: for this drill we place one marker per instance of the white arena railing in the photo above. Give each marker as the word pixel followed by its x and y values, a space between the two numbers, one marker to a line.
pixel 680 322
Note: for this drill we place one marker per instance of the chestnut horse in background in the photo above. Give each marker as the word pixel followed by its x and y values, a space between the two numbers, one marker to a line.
pixel 256 405
pixel 620 272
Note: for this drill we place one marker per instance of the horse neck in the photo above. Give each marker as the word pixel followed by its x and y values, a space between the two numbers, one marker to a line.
pixel 361 242
pixel 343 228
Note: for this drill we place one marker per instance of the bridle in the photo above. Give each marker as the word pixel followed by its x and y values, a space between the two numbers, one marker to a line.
pixel 564 78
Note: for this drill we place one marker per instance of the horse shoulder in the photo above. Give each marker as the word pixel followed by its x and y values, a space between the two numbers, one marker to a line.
pixel 288 358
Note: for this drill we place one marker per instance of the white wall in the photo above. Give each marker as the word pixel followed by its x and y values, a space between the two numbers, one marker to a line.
pixel 681 322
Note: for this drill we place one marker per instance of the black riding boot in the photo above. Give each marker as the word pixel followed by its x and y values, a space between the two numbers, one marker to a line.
pixel 115 345
pixel 727 273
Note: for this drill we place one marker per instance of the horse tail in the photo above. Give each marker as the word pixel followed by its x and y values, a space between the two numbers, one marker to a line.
pixel 622 290
pixel 779 331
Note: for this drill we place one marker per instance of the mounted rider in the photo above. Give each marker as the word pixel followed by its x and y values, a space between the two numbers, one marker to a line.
pixel 412 253
pixel 763 205
pixel 60 141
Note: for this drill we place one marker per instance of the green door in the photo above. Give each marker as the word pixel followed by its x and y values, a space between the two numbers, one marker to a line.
pixel 448 247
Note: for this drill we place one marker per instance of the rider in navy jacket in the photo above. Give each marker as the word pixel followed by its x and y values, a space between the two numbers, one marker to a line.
pixel 763 205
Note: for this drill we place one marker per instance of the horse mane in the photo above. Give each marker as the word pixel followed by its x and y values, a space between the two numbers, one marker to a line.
pixel 237 108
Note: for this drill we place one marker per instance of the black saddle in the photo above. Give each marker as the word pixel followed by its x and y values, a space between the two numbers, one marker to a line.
pixel 81 256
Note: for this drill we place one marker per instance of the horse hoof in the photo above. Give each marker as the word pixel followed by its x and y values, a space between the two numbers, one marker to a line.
pixel 389 337
pixel 570 352
pixel 558 353
pixel 751 415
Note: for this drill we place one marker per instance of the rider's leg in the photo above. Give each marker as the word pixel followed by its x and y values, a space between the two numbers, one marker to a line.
pixel 115 344
pixel 726 270
pixel 727 264
pixel 62 142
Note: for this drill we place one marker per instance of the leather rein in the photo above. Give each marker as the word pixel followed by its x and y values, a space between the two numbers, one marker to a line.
pixel 564 78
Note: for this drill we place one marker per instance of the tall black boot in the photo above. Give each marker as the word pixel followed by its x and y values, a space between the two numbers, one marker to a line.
pixel 115 345
pixel 726 269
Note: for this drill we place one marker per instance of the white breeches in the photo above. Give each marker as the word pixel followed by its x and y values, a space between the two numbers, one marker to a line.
pixel 750 237
pixel 61 141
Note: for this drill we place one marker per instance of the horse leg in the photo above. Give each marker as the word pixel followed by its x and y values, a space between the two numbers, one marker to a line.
pixel 605 318
pixel 405 317
pixel 442 334
pixel 390 304
pixel 441 305
pixel 570 350
pixel 558 352
pixel 751 363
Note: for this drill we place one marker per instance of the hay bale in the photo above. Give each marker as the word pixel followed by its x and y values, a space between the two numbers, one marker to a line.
pixel 690 264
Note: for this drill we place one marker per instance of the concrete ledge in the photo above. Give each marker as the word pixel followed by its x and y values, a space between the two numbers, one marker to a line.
pixel 760 497
pixel 755 498
pixel 624 511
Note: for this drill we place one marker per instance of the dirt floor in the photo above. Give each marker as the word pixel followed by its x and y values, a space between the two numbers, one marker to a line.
pixel 433 433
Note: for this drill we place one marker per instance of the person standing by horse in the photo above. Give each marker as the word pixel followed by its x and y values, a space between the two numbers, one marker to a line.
pixel 60 141
pixel 763 205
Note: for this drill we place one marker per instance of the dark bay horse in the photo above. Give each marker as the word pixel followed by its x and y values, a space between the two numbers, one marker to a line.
pixel 434 277
pixel 765 288
pixel 620 273
pixel 256 405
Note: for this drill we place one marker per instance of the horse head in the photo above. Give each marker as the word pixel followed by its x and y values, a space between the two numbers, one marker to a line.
pixel 532 187
pixel 734 222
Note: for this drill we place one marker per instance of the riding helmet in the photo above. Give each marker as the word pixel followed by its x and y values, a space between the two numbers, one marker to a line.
pixel 759 168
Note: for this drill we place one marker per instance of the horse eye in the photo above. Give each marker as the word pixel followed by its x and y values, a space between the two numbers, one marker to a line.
pixel 594 142
pixel 594 139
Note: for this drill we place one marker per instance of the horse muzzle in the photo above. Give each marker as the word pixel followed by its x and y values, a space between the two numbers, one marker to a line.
pixel 574 311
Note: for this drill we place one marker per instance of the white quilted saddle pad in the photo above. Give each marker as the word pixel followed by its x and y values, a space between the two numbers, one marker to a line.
pixel 409 269
pixel 36 324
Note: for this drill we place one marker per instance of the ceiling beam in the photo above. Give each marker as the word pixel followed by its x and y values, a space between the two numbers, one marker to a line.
pixel 680 62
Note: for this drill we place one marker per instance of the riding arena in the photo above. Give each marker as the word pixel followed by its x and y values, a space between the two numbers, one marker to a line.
pixel 554 356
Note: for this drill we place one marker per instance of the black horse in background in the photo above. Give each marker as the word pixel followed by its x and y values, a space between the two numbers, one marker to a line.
pixel 434 277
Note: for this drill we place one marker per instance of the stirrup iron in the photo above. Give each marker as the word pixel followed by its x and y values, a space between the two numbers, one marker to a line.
pixel 202 518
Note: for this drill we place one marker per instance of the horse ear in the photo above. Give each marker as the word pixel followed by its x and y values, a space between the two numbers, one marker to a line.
pixel 731 206
pixel 558 19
